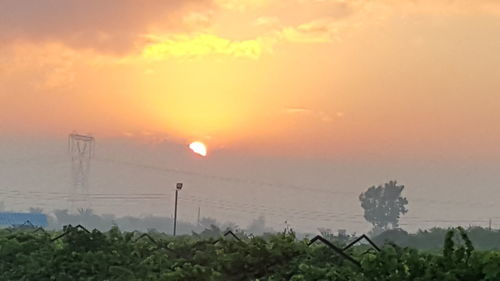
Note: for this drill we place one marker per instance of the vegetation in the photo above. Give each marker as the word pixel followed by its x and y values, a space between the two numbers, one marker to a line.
pixel 90 219
pixel 207 254
pixel 383 205
pixel 114 255
pixel 433 239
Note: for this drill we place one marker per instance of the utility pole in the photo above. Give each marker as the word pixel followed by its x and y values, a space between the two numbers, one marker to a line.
pixel 178 187
pixel 489 227
pixel 198 220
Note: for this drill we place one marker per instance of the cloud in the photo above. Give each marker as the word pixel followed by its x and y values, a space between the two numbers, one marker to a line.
pixel 266 21
pixel 114 26
pixel 45 66
pixel 317 31
pixel 205 45
pixel 199 20
pixel 104 25
pixel 320 115
pixel 242 5
pixel 296 110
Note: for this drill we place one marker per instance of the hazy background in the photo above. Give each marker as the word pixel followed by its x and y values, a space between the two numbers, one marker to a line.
pixel 303 105
pixel 130 178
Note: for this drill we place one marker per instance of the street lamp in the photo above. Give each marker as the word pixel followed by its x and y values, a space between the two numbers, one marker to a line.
pixel 178 187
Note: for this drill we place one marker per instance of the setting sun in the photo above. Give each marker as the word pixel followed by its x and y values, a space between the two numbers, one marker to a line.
pixel 328 117
pixel 198 148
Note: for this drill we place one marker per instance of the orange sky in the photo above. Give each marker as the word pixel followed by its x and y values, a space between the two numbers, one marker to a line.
pixel 294 77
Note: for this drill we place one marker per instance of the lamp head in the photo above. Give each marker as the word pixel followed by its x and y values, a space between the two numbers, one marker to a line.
pixel 179 186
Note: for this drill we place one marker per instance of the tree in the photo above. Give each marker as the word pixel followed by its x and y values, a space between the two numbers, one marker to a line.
pixel 384 205
pixel 258 226
pixel 208 223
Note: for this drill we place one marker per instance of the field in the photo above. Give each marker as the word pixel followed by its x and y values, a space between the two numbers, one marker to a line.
pixel 78 254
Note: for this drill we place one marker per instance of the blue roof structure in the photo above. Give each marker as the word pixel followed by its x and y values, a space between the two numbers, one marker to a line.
pixel 27 219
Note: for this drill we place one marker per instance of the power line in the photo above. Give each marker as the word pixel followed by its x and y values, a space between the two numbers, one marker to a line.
pixel 224 178
pixel 239 207
pixel 14 194
pixel 284 186
pixel 57 159
pixel 259 183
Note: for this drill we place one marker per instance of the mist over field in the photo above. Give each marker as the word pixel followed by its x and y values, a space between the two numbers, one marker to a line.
pixel 135 178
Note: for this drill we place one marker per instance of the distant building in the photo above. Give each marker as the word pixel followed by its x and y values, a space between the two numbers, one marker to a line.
pixel 23 219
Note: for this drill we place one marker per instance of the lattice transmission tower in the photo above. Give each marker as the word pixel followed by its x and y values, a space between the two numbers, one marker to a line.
pixel 81 150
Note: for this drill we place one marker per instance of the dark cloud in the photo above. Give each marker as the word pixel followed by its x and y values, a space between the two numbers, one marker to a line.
pixel 104 25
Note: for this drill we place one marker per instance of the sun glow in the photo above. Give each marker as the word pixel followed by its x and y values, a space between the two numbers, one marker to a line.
pixel 198 148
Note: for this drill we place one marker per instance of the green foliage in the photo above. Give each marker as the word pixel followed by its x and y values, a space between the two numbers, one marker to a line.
pixel 383 205
pixel 433 239
pixel 115 255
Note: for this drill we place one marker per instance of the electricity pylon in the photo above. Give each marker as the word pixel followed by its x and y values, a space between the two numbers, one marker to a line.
pixel 81 150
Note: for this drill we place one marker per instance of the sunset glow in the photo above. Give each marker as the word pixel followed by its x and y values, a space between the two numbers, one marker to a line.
pixel 281 77
pixel 288 109
pixel 198 148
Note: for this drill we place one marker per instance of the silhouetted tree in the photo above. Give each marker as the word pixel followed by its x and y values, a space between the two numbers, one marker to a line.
pixel 258 226
pixel 208 222
pixel 230 226
pixel 340 239
pixel 212 232
pixel 84 212
pixel 384 205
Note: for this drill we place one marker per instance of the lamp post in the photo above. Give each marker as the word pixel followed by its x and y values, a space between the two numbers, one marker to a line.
pixel 178 187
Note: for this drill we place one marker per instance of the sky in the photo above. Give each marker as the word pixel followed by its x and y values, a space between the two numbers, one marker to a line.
pixel 337 94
